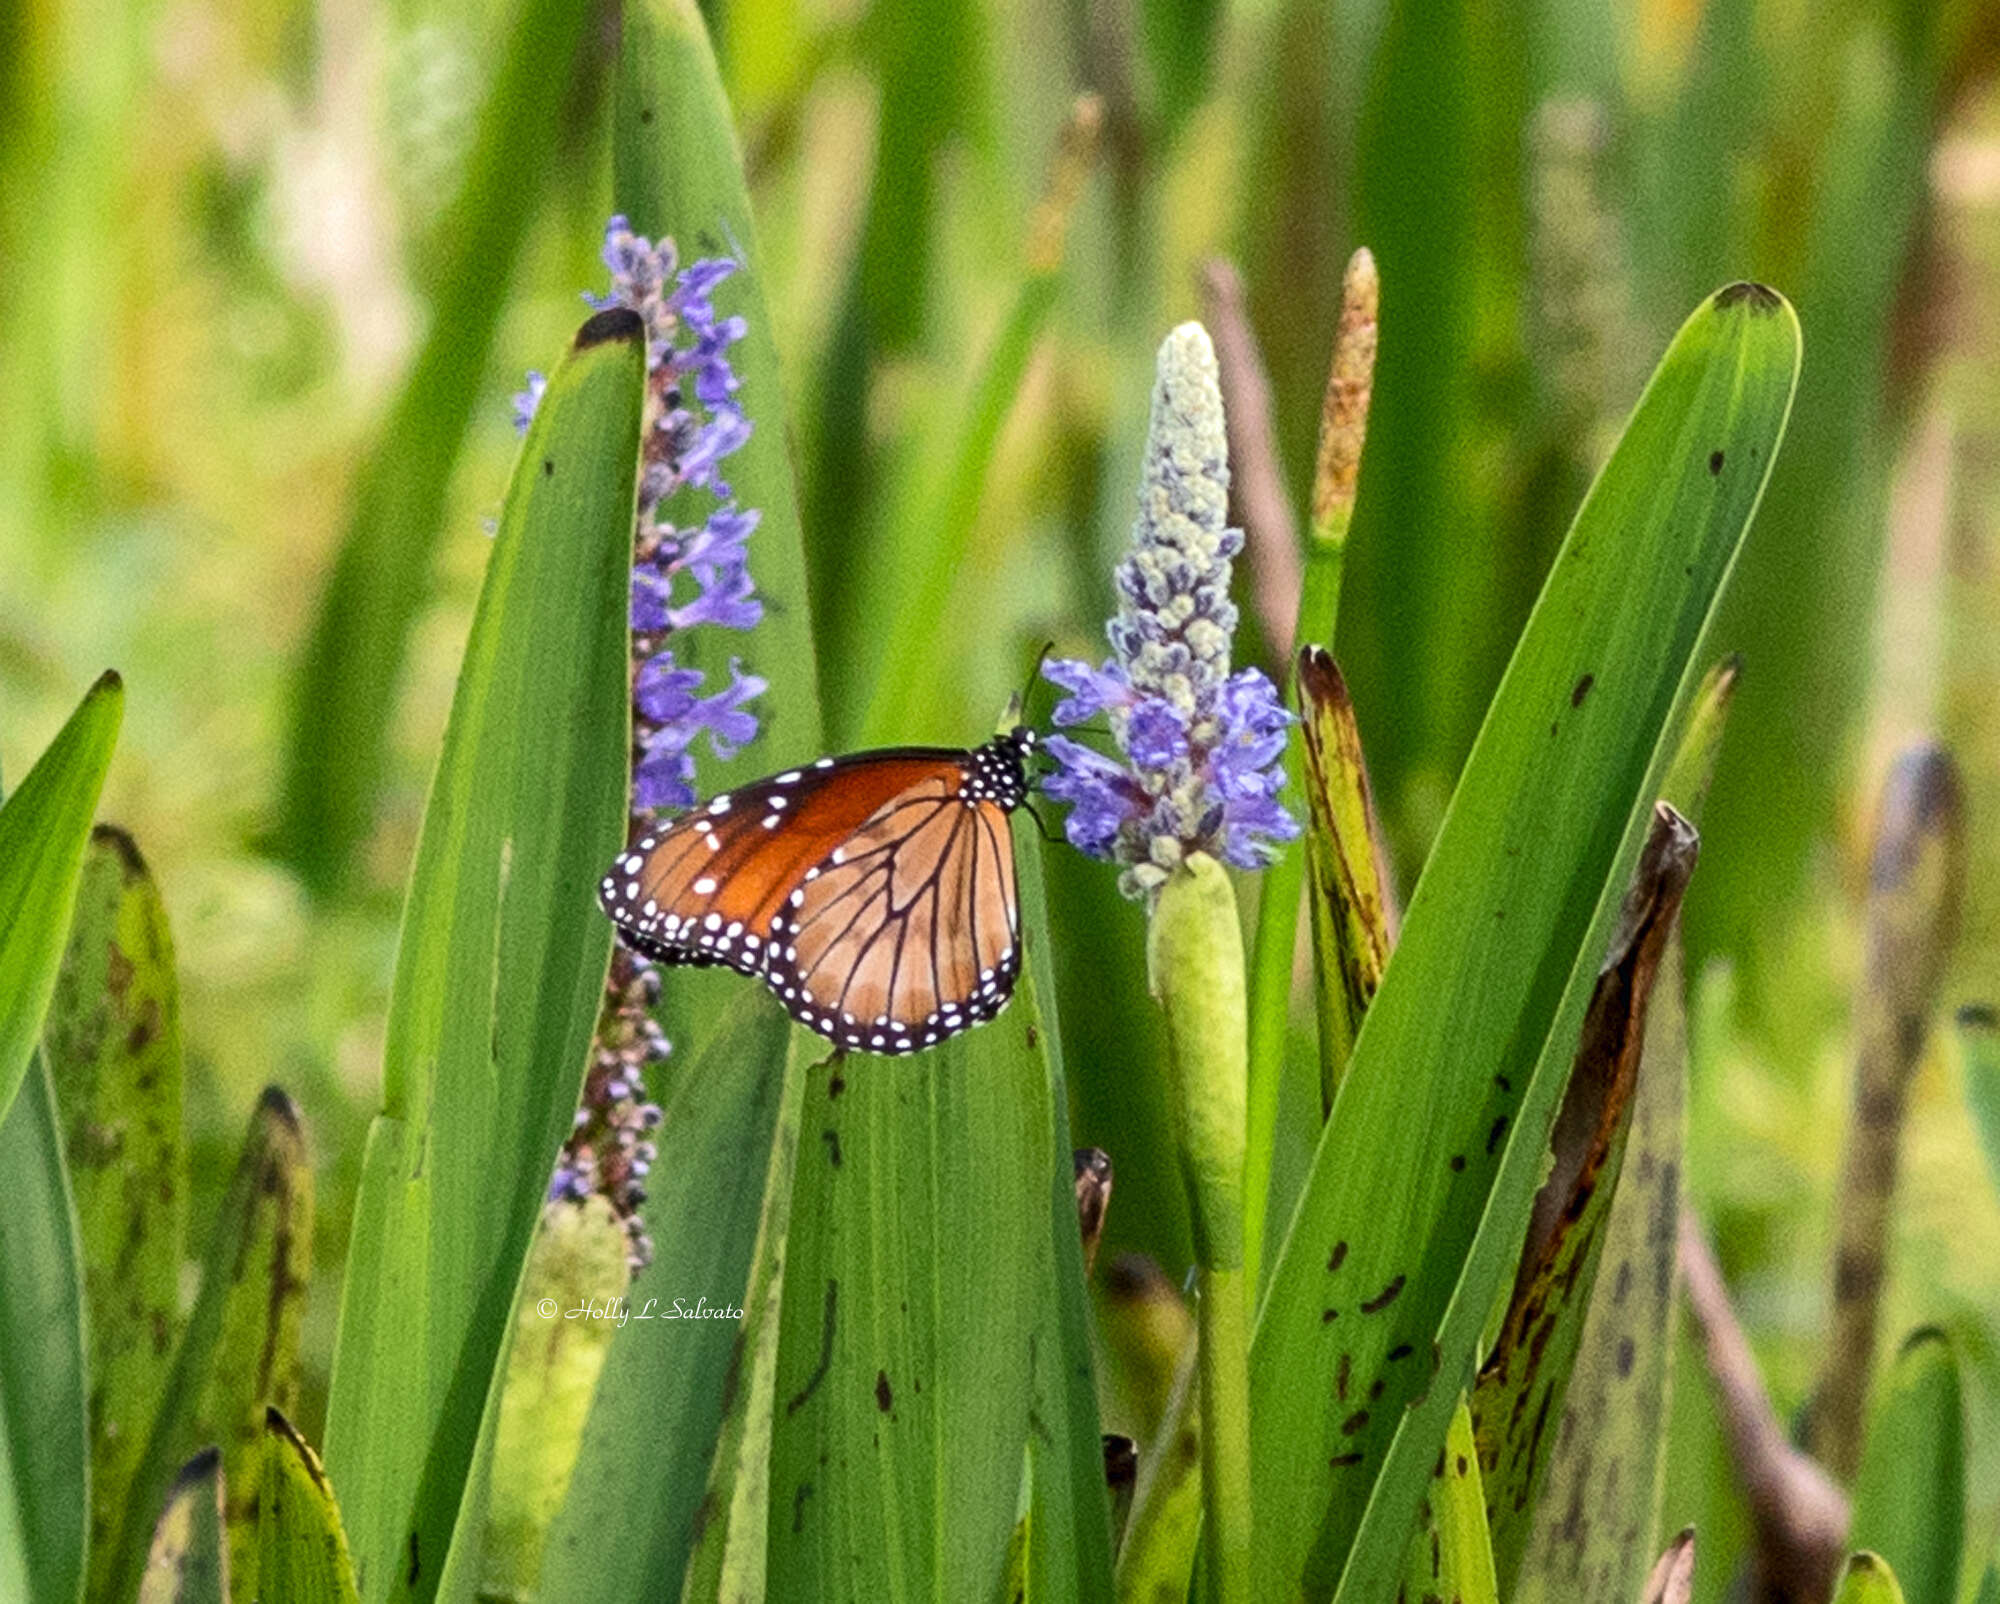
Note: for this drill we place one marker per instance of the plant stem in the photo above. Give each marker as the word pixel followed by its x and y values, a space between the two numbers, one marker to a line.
pixel 1194 951
pixel 1225 1433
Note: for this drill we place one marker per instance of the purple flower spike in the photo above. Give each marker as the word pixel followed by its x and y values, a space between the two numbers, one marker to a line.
pixel 682 579
pixel 1202 745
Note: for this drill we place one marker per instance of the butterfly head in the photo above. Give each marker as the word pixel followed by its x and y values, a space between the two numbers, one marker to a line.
pixel 1000 767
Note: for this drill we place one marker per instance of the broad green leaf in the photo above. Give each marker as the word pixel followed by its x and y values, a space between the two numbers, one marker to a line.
pixel 114 1051
pixel 43 827
pixel 572 1297
pixel 302 1553
pixel 44 1448
pixel 1978 1033
pixel 499 975
pixel 666 1387
pixel 1909 1495
pixel 1782 772
pixel 905 1364
pixel 1423 1179
pixel 346 688
pixel 1868 1580
pixel 730 1539
pixel 676 171
pixel 1520 1402
pixel 1069 1542
pixel 237 1354
pixel 187 1561
pixel 1451 1552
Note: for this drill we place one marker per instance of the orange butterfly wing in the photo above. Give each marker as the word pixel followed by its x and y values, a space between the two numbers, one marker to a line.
pixel 874 894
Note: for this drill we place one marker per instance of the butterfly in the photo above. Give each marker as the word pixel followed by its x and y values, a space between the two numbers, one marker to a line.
pixel 874 893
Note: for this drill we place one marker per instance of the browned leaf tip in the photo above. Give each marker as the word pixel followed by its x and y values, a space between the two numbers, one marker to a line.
pixel 1590 1124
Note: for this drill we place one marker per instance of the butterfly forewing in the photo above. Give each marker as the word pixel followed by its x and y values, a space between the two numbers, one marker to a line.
pixel 873 894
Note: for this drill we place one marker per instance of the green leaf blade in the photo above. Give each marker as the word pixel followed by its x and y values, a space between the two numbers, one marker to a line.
pixel 43 828
pixel 905 1372
pixel 1909 1495
pixel 677 171
pixel 44 1448
pixel 527 807
pixel 301 1549
pixel 237 1352
pixel 1422 1153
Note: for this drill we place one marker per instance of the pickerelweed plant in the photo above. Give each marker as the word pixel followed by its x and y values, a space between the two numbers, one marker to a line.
pixel 682 578
pixel 1198 789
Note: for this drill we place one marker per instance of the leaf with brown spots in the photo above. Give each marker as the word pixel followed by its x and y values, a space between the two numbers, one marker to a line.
pixel 1519 1401
pixel 239 1352
pixel 114 1047
pixel 1451 1551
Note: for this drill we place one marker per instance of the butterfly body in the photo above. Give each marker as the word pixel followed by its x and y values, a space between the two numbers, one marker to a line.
pixel 874 894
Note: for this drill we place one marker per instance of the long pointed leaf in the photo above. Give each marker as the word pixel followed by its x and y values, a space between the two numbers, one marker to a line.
pixel 236 1355
pixel 114 1050
pixel 1909 1495
pixel 666 1387
pixel 676 171
pixel 43 828
pixel 1422 1181
pixel 1520 1401
pixel 905 1366
pixel 499 975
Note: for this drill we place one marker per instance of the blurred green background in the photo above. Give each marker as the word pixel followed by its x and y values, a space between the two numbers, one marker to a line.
pixel 225 233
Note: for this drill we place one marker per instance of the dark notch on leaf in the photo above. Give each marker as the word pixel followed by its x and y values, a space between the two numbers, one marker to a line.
pixel 274 1100
pixel 831 1137
pixel 1715 461
pixel 198 1469
pixel 1581 690
pixel 613 323
pixel 109 835
pixel 1337 1257
pixel 1979 1016
pixel 1759 299
pixel 885 1397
